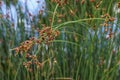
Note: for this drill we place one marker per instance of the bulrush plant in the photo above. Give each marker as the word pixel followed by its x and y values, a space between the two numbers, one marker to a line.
pixel 76 40
pixel 46 36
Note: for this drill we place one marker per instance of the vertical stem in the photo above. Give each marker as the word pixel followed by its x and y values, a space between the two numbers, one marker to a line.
pixel 53 18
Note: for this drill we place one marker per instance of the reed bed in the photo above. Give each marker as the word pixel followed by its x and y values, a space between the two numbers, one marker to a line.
pixel 76 41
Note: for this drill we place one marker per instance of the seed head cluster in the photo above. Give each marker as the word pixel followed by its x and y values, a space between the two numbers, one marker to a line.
pixel 46 36
pixel 106 24
pixel 32 61
pixel 60 2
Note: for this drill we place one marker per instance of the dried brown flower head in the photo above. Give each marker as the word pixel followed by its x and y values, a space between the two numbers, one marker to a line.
pixel 118 4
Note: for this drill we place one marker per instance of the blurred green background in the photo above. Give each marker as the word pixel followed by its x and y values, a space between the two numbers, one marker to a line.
pixel 80 52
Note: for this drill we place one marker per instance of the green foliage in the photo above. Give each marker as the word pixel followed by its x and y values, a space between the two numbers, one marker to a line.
pixel 75 54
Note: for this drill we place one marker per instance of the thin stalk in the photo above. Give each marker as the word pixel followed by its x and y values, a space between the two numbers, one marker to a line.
pixel 67 42
pixel 77 21
pixel 53 18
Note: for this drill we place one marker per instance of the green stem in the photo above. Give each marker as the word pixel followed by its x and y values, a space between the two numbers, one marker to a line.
pixel 77 21
pixel 67 42
pixel 53 18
